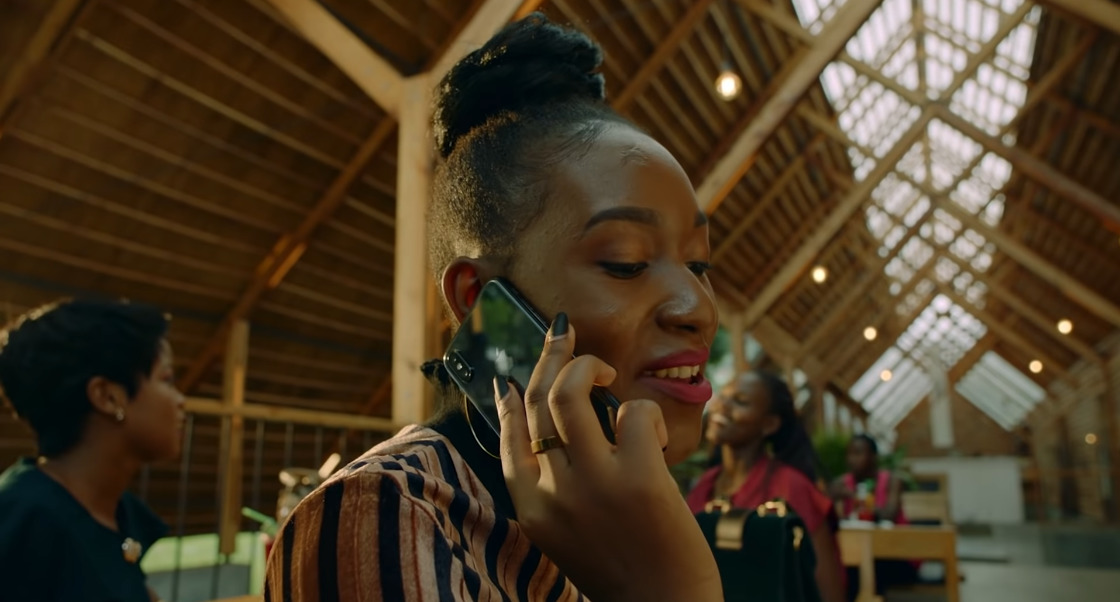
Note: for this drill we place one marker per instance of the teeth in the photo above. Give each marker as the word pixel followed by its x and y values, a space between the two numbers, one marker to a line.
pixel 677 372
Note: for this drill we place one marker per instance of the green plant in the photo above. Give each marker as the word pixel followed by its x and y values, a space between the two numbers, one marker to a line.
pixel 832 449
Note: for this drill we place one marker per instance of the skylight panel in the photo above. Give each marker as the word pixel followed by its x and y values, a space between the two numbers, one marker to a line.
pixel 945 161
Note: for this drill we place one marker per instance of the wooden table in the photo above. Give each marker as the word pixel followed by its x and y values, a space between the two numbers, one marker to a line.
pixel 861 546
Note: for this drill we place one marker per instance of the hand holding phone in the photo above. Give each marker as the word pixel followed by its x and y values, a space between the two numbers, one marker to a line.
pixel 502 338
pixel 610 516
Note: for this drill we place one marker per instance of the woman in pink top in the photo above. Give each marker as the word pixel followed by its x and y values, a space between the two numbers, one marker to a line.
pixel 765 453
pixel 863 464
pixel 886 488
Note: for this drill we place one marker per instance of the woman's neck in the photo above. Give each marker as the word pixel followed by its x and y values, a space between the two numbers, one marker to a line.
pixel 738 462
pixel 96 477
pixel 869 473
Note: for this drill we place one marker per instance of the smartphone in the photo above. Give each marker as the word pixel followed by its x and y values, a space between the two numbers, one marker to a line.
pixel 503 337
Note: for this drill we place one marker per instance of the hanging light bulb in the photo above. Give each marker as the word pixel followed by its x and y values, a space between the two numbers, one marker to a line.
pixel 870 333
pixel 1035 366
pixel 1091 438
pixel 886 376
pixel 1065 326
pixel 820 274
pixel 728 83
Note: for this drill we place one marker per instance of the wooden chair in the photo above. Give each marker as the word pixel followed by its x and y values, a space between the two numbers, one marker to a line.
pixel 931 482
pixel 924 507
pixel 856 551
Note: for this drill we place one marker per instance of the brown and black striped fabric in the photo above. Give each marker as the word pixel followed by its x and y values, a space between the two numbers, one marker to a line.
pixel 409 521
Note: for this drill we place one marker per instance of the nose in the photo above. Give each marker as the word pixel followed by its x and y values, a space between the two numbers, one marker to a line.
pixel 689 306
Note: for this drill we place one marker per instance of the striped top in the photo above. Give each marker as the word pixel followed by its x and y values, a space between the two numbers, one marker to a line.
pixel 408 521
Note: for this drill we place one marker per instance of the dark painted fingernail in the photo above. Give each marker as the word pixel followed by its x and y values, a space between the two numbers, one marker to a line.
pixel 501 387
pixel 512 383
pixel 559 328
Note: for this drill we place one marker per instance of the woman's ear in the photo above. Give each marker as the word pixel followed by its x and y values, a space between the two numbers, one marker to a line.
pixel 105 396
pixel 461 283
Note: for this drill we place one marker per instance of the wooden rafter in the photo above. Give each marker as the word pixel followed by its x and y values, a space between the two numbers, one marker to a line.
pixel 798 74
pixel 285 253
pixel 1102 13
pixel 1025 310
pixel 1038 170
pixel 871 276
pixel 665 50
pixel 831 225
pixel 850 341
pixel 52 31
pixel 768 199
pixel 479 28
pixel 527 7
pixel 372 73
pixel 1028 258
pixel 1005 332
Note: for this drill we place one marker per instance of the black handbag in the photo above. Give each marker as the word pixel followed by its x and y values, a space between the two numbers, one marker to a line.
pixel 764 554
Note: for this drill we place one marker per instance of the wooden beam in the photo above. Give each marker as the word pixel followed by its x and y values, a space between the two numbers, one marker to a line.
pixel 411 277
pixel 784 93
pixel 737 338
pixel 527 8
pixel 232 444
pixel 373 74
pixel 1024 309
pixel 486 21
pixel 837 218
pixel 664 51
pixel 1102 13
pixel 769 198
pixel 872 275
pixel 1028 258
pixel 275 413
pixel 1005 332
pixel 274 267
pixel 32 57
pixel 1038 170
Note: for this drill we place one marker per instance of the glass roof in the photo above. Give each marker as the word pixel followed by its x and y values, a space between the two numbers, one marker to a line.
pixel 926 46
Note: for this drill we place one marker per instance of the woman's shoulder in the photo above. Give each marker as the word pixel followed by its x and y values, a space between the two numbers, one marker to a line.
pixel 417 467
pixel 27 496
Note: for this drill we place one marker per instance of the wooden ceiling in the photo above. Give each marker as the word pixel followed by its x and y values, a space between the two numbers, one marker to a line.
pixel 212 158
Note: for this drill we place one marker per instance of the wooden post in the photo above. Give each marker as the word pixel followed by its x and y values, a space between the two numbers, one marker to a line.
pixel 1110 413
pixel 415 161
pixel 232 447
pixel 738 342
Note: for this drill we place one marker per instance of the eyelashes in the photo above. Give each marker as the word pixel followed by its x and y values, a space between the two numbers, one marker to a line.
pixel 633 270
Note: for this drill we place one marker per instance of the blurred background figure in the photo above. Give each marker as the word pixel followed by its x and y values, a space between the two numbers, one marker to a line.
pixel 94 380
pixel 763 452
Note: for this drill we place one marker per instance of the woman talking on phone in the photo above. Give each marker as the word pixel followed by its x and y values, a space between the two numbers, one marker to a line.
pixel 597 226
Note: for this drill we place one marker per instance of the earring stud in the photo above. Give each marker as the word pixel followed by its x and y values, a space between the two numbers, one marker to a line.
pixel 119 415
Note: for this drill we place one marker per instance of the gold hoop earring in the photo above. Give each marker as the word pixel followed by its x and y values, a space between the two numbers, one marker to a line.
pixel 119 415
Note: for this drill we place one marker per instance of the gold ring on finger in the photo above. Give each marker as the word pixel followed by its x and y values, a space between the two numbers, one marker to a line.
pixel 539 446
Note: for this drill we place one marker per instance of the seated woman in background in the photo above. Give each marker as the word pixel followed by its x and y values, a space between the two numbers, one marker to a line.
pixel 875 494
pixel 881 490
pixel 765 453
pixel 94 380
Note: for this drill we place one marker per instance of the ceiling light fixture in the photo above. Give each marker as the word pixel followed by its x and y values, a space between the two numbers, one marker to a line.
pixel 728 83
pixel 1065 326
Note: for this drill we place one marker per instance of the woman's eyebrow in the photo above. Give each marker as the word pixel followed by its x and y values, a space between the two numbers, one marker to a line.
pixel 639 215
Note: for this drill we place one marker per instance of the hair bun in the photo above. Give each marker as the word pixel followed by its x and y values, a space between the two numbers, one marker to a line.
pixel 531 62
